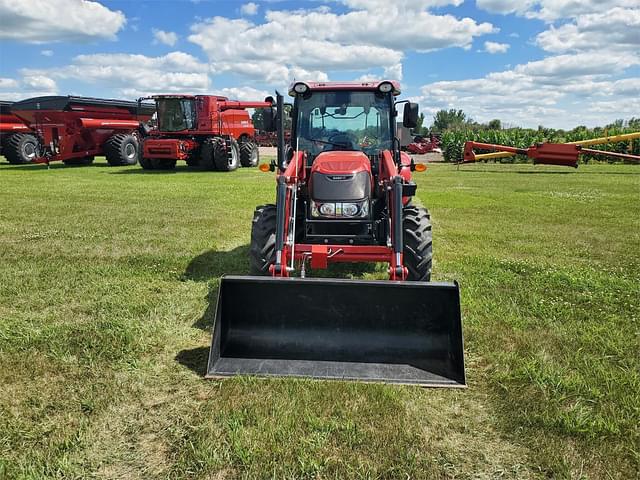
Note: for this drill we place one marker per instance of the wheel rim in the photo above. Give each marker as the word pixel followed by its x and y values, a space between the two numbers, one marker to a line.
pixel 233 160
pixel 29 150
pixel 130 151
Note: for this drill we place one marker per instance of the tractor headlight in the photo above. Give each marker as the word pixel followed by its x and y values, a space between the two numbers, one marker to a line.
pixel 385 87
pixel 341 210
pixel 300 87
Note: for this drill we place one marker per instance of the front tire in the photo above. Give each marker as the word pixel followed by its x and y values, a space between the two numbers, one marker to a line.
pixel 249 154
pixel 418 250
pixel 146 163
pixel 262 253
pixel 226 161
pixel 21 148
pixel 122 149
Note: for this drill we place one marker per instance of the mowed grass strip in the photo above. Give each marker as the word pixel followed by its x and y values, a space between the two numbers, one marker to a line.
pixel 108 279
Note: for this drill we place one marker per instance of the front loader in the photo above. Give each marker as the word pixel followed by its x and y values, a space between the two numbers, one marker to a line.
pixel 343 194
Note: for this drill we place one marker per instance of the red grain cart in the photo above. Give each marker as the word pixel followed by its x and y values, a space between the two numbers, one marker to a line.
pixel 76 129
pixel 208 132
pixel 17 143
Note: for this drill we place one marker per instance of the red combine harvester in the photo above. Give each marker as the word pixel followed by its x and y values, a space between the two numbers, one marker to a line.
pixel 343 194
pixel 208 132
pixel 76 129
pixel 17 143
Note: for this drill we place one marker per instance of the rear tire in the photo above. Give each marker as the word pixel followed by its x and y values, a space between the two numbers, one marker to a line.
pixel 262 253
pixel 122 149
pixel 249 154
pixel 223 162
pixel 416 224
pixel 20 148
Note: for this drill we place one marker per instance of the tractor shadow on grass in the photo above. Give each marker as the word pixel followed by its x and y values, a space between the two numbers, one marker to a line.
pixel 209 267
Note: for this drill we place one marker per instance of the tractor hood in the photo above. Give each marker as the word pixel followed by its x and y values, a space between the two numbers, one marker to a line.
pixel 341 163
pixel 341 176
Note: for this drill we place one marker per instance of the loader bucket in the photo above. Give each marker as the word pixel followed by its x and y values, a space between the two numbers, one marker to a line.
pixel 377 331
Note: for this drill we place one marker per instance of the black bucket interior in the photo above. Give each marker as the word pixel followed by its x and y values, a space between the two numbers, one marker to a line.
pixel 399 332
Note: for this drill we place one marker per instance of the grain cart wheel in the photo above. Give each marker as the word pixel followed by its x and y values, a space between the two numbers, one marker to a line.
pixel 122 149
pixel 146 163
pixel 416 224
pixel 263 240
pixel 20 148
pixel 249 154
pixel 163 164
pixel 226 156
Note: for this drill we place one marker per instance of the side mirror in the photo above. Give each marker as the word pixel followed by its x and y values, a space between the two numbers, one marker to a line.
pixel 410 116
pixel 269 123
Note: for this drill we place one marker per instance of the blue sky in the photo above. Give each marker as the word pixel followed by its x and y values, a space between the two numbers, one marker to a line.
pixel 560 63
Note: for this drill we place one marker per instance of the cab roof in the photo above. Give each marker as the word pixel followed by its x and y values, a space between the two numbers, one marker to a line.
pixel 347 86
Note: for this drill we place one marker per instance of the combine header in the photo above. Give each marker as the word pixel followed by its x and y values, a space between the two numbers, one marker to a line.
pixel 17 143
pixel 565 154
pixel 76 129
pixel 208 132
pixel 343 195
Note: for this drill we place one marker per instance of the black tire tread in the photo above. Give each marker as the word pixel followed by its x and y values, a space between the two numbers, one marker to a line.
pixel 12 148
pixel 247 148
pixel 418 248
pixel 114 151
pixel 263 239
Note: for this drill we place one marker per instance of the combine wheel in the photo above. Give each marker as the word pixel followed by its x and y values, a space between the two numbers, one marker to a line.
pixel 163 164
pixel 207 150
pixel 249 153
pixel 263 240
pixel 20 148
pixel 122 149
pixel 416 225
pixel 224 160
pixel 146 163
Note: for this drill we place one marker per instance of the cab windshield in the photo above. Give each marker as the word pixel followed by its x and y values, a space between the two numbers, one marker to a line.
pixel 342 120
pixel 176 114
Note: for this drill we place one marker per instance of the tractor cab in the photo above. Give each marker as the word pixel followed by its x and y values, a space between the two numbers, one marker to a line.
pixel 176 113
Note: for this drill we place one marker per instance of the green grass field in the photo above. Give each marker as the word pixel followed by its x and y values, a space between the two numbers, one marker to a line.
pixel 108 279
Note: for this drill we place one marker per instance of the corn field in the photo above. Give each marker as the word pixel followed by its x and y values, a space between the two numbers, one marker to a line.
pixel 452 143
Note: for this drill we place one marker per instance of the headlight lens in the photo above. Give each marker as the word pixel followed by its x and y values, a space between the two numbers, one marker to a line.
pixel 385 87
pixel 330 209
pixel 300 87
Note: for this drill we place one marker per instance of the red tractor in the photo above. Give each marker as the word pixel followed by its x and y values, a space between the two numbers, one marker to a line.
pixel 17 142
pixel 76 129
pixel 208 132
pixel 344 194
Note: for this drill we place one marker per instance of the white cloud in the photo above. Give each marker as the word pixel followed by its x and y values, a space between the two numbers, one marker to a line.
pixel 495 47
pixel 560 91
pixel 618 28
pixel 552 10
pixel 46 53
pixel 42 21
pixel 250 8
pixel 166 38
pixel 310 43
pixel 135 75
pixel 247 94
pixel 28 86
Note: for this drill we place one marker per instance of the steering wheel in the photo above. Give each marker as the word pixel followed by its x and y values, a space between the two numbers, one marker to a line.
pixel 340 139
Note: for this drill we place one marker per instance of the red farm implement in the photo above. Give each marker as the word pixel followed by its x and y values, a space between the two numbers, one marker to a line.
pixel 565 154
pixel 422 145
pixel 207 132
pixel 17 143
pixel 343 194
pixel 76 129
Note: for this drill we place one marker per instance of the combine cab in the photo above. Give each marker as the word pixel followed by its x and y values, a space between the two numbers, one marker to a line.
pixel 208 132
pixel 76 129
pixel 17 143
pixel 343 194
